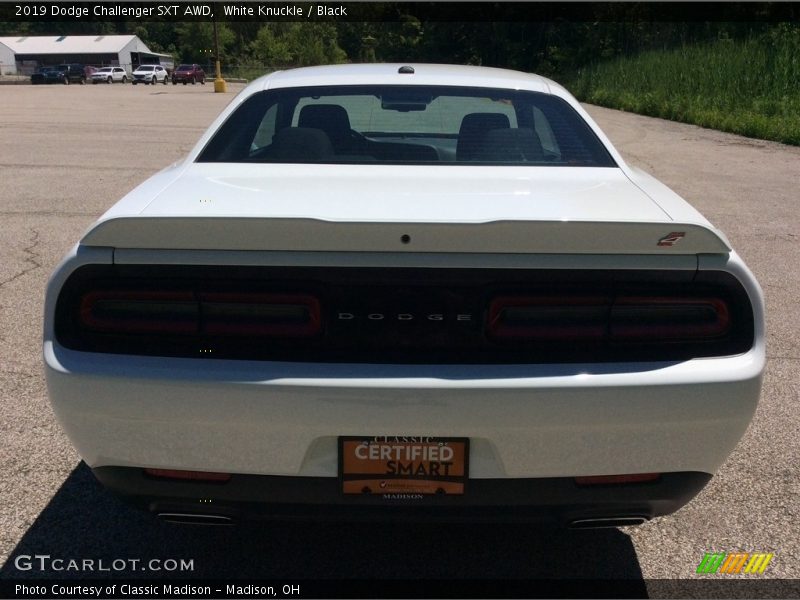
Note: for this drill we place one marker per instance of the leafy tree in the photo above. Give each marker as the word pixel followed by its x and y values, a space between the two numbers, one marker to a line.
pixel 195 41
pixel 297 44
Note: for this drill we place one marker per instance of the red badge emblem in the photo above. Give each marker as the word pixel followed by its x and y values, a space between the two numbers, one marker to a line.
pixel 671 238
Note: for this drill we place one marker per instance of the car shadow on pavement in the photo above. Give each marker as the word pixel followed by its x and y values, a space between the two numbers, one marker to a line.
pixel 84 521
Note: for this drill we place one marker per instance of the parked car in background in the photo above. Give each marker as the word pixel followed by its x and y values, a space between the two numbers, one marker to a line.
pixel 67 73
pixel 39 76
pixel 149 74
pixel 109 75
pixel 188 74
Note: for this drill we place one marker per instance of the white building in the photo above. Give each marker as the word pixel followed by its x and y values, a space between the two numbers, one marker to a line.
pixel 24 54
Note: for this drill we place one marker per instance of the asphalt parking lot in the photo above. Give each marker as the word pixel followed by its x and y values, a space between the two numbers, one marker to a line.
pixel 69 152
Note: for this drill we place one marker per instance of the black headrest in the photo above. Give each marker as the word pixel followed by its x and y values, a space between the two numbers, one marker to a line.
pixel 300 144
pixel 511 145
pixel 331 118
pixel 473 130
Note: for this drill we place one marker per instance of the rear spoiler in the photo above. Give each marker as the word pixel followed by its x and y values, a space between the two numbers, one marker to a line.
pixel 535 237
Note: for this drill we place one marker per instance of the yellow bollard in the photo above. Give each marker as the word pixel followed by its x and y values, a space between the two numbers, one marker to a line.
pixel 220 86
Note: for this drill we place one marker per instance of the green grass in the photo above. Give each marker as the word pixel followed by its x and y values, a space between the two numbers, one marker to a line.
pixel 749 87
pixel 245 71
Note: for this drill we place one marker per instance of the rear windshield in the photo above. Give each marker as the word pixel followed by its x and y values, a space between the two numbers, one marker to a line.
pixel 185 68
pixel 406 125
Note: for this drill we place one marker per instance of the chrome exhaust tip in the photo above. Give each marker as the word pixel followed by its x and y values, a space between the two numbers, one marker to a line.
pixel 598 522
pixel 194 518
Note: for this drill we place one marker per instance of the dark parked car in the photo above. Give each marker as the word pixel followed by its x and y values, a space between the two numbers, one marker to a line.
pixel 71 73
pixel 39 75
pixel 188 74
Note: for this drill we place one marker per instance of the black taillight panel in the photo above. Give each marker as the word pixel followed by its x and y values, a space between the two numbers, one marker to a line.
pixel 633 319
pixel 133 311
pixel 433 316
pixel 668 318
pixel 548 318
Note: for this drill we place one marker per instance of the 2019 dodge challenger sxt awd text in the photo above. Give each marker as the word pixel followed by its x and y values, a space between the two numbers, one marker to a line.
pixel 415 291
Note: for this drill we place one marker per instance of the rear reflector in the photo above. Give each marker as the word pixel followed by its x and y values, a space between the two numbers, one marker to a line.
pixel 188 475
pixel 617 479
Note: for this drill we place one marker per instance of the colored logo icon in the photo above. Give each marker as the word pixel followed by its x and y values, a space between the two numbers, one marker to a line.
pixel 734 562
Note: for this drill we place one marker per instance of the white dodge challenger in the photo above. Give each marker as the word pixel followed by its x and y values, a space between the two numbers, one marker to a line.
pixel 404 291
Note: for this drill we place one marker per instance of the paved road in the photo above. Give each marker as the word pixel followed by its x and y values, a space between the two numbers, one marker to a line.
pixel 68 153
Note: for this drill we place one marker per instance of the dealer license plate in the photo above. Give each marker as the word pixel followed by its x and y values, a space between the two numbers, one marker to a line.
pixel 382 465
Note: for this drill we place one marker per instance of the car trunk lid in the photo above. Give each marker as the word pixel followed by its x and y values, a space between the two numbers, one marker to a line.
pixel 394 208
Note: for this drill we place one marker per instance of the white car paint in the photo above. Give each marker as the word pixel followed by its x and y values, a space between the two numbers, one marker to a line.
pixel 282 418
pixel 289 207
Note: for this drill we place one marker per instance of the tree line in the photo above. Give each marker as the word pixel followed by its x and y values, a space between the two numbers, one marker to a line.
pixel 534 38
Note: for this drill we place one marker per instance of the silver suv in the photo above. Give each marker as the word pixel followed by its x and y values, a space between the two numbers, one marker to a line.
pixel 150 74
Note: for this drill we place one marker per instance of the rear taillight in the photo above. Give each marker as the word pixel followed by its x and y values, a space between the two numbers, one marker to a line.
pixel 668 318
pixel 205 314
pixel 638 318
pixel 548 318
pixel 403 315
pixel 118 311
pixel 260 314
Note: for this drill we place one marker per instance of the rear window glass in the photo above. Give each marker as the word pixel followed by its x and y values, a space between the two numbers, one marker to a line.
pixel 406 125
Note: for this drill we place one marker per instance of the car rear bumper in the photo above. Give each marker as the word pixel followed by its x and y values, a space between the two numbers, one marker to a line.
pixel 523 421
pixel 554 500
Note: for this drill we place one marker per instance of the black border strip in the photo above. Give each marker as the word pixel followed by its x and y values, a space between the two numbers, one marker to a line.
pixel 442 11
pixel 397 588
